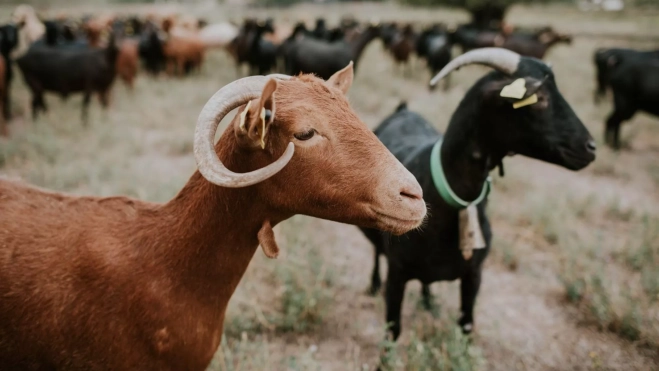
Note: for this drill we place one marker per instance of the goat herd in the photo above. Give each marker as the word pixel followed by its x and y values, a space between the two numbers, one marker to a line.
pixel 122 284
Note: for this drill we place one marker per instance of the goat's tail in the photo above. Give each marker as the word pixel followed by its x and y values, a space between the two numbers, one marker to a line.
pixel 401 106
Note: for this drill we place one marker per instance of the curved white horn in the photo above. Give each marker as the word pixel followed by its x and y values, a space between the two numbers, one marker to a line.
pixel 224 101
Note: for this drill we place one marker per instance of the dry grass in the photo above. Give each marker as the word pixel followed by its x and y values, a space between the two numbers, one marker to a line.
pixel 573 280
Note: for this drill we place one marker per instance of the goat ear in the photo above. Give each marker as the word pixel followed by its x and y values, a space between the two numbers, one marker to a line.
pixel 342 79
pixel 254 121
pixel 492 92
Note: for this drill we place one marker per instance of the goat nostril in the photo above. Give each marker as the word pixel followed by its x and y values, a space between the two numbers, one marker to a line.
pixel 591 146
pixel 413 196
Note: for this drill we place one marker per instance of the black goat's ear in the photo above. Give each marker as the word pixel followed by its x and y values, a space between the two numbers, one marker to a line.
pixel 511 90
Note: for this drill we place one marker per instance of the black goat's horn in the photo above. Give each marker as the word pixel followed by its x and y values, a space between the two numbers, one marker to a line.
pixel 500 59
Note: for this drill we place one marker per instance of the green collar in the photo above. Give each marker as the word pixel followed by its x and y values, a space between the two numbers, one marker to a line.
pixel 444 188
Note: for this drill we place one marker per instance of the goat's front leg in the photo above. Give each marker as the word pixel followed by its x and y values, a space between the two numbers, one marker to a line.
pixel 469 285
pixel 623 111
pixel 376 283
pixel 426 297
pixel 395 291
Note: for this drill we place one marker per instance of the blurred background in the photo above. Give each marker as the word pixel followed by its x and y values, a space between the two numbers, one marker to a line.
pixel 572 281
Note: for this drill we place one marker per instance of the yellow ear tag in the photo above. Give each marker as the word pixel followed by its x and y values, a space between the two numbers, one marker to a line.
pixel 243 115
pixel 263 128
pixel 515 90
pixel 526 102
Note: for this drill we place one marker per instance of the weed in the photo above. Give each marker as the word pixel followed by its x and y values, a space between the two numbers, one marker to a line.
pixel 439 345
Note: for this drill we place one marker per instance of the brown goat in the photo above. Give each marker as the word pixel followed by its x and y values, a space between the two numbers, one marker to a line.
pixel 91 283
pixel 3 91
pixel 181 52
pixel 402 45
pixel 96 27
pixel 127 61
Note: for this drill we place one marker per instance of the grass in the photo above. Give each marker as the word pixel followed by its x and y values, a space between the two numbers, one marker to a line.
pixel 618 295
pixel 437 344
pixel 590 236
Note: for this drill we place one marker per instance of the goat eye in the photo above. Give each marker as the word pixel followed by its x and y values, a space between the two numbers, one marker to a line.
pixel 306 135
pixel 268 115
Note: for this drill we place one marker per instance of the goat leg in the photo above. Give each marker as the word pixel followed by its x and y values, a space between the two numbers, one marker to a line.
pixel 378 239
pixel 6 104
pixel 394 294
pixel 426 297
pixel 623 111
pixel 376 282
pixel 469 285
pixel 85 108
pixel 37 103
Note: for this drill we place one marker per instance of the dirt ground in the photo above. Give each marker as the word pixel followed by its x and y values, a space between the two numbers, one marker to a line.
pixel 561 289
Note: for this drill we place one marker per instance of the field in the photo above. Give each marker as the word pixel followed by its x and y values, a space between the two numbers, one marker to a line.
pixel 573 279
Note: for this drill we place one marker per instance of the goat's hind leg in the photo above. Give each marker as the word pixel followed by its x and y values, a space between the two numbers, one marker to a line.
pixel 38 103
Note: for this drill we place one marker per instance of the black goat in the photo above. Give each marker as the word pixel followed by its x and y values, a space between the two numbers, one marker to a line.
pixel 66 70
pixel 150 50
pixel 634 81
pixel 534 45
pixel 388 32
pixel 322 58
pixel 482 131
pixel 249 44
pixel 262 53
pixel 434 44
pixel 283 50
pixel 606 59
pixel 8 42
pixel 469 37
pixel 321 32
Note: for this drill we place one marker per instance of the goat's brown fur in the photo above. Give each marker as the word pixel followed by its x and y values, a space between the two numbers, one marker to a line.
pixel 127 61
pixel 91 283
pixel 180 51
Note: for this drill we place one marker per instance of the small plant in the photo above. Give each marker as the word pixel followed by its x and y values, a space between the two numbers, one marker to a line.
pixel 439 345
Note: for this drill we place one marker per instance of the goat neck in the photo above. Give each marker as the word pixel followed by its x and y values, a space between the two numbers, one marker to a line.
pixel 467 158
pixel 212 233
pixel 359 44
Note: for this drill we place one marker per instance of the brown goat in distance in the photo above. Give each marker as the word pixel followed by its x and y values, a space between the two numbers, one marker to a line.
pixel 402 46
pixel 127 61
pixel 90 283
pixel 183 50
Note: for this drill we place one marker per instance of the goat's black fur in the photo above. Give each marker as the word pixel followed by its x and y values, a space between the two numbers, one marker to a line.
pixel 434 44
pixel 308 55
pixel 65 70
pixel 482 131
pixel 8 41
pixel 633 77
